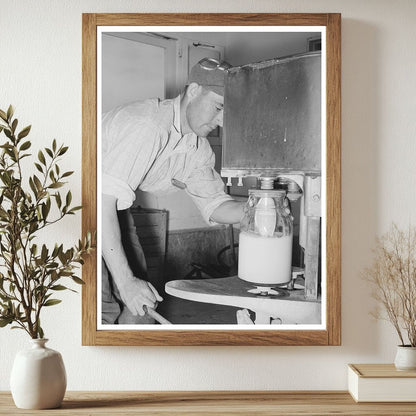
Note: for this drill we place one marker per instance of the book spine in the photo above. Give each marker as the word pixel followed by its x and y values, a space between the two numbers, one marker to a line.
pixel 353 383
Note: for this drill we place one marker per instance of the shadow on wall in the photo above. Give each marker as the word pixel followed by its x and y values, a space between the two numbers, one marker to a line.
pixel 361 187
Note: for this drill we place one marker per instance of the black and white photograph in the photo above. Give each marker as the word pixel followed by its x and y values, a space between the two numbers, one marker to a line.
pixel 211 183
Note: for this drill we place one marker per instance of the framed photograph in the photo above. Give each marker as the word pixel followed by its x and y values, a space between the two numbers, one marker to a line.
pixel 212 172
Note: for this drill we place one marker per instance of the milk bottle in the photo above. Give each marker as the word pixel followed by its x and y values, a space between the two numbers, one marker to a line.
pixel 266 234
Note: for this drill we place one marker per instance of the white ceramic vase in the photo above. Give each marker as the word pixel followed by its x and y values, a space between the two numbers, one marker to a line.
pixel 405 358
pixel 38 377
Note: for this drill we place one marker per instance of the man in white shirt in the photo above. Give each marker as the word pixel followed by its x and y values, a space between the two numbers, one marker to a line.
pixel 157 146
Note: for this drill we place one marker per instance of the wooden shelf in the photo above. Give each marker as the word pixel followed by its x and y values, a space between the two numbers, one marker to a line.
pixel 178 403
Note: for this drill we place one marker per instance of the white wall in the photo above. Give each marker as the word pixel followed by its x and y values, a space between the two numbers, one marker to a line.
pixel 40 73
pixel 244 48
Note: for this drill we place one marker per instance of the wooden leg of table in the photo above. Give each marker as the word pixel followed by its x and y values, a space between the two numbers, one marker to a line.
pixel 312 257
pixel 262 319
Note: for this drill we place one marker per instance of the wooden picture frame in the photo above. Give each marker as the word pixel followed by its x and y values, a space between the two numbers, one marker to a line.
pixel 331 334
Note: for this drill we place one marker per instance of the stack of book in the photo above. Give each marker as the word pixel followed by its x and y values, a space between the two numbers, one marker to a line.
pixel 381 383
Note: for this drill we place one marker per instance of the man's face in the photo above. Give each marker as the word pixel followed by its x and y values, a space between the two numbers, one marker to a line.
pixel 205 112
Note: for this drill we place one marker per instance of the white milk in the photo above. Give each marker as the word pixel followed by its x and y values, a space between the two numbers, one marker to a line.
pixel 264 260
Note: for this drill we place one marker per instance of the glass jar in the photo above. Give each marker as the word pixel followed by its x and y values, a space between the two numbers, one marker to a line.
pixel 266 236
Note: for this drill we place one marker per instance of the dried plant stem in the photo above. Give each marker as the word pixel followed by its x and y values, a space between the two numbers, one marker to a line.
pixel 393 276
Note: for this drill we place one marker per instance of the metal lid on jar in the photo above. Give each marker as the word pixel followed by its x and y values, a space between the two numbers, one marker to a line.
pixel 266 181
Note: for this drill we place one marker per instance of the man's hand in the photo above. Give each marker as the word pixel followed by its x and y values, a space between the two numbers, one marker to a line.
pixel 135 293
pixel 229 212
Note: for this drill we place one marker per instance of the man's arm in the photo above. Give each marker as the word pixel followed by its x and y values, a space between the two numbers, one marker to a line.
pixel 229 212
pixel 134 292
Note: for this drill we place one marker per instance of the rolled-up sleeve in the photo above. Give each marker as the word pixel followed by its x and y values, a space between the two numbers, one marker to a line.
pixel 120 190
pixel 205 186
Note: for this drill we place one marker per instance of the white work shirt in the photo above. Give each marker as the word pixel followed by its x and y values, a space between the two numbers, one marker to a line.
pixel 142 147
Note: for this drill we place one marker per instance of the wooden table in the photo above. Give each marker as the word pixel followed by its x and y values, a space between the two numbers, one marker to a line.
pixel 290 307
pixel 178 403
